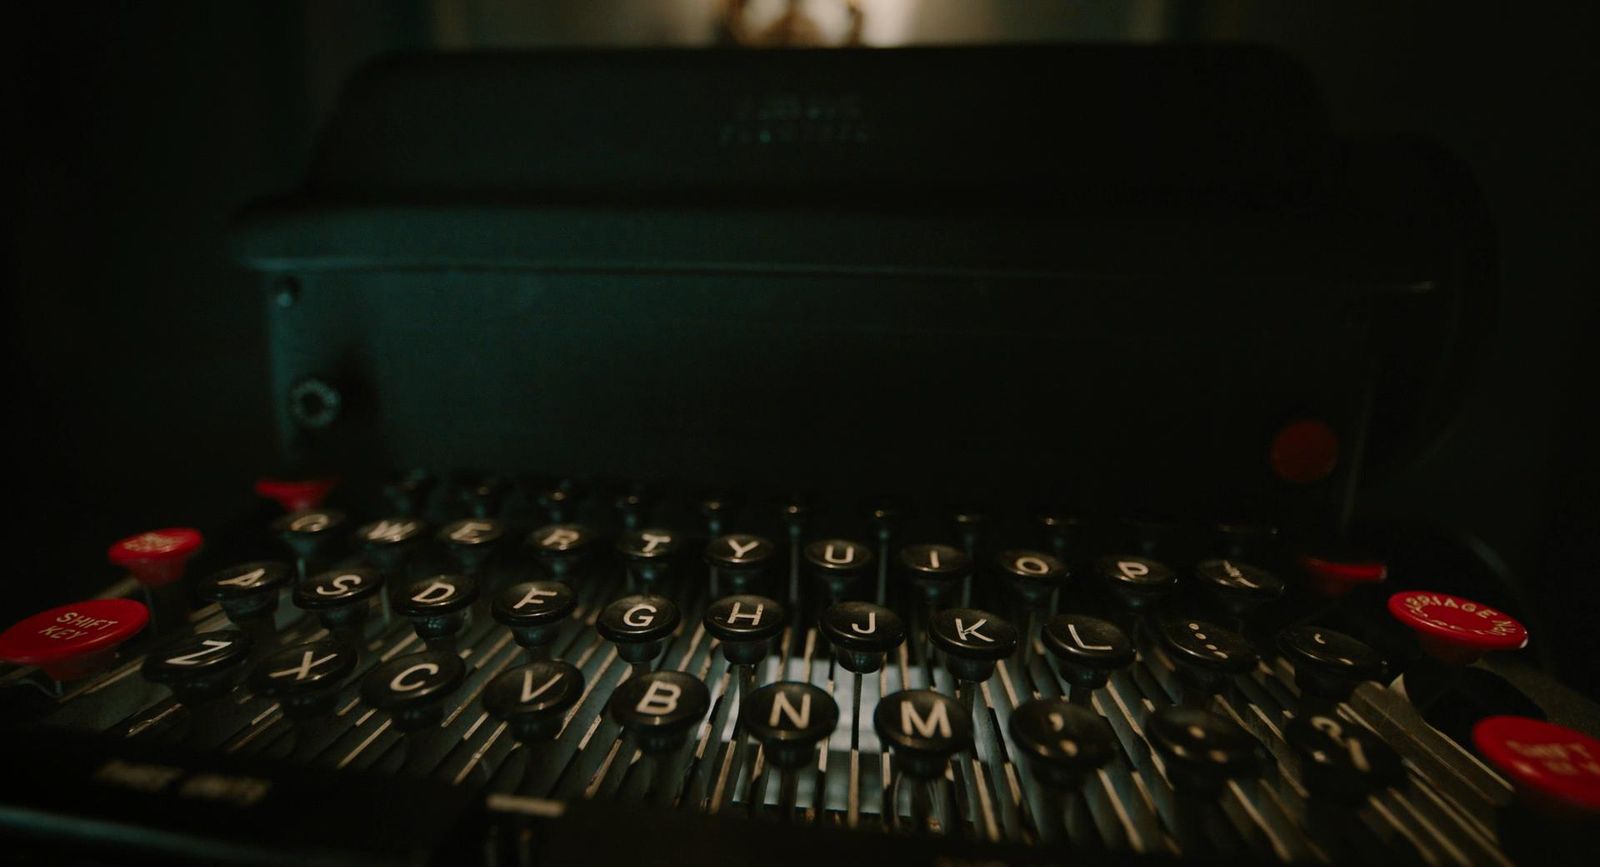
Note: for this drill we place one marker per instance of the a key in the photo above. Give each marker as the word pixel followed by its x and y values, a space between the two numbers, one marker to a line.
pixel 472 542
pixel 1341 764
pixel 1034 578
pixel 639 626
pixel 157 560
pixel 1087 650
pixel 922 729
pixel 558 499
pixel 1201 752
pixel 1455 630
pixel 788 720
pixel 562 548
pixel 248 594
pixel 1332 574
pixel 340 600
pixel 739 563
pixel 650 555
pixel 1139 584
pixel 838 565
pixel 1240 587
pixel 295 495
pixel 746 626
pixel 73 641
pixel 534 611
pixel 1063 530
pixel 717 510
pixel 437 607
pixel 633 507
pixel 310 535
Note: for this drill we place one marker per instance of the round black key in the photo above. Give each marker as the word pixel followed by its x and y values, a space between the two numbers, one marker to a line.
pixel 1328 664
pixel 562 547
pixel 471 541
pixel 660 708
pixel 1087 648
pixel 1033 574
pixel 838 563
pixel 437 607
pixel 924 729
pixel 1061 742
pixel 201 666
pixel 1206 648
pixel 638 625
pixel 1139 582
pixel 972 641
pixel 246 591
pixel 862 633
pixel 649 553
pixel 533 699
pixel 408 492
pixel 309 532
pixel 339 597
pixel 1201 750
pixel 412 688
pixel 387 542
pixel 741 558
pixel 1240 586
pixel 936 567
pixel 1341 760
pixel 745 625
pixel 535 611
pixel 305 678
pixel 789 720
pixel 482 495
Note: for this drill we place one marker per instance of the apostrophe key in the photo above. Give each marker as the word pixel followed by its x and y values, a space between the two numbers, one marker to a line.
pixel 157 560
pixel 649 555
pixel 1327 664
pixel 1201 752
pixel 249 594
pixel 535 611
pixel 533 701
pixel 658 709
pixel 73 641
pixel 1061 743
pixel 340 600
pixel 482 496
pixel 1556 773
pixel 972 641
pixel 788 720
pixel 562 548
pixel 838 565
pixel 739 563
pixel 437 607
pixel 922 729
pixel 201 670
pixel 1034 579
pixel 1087 650
pixel 295 495
pixel 310 535
pixel 407 493
pixel 305 680
pixel 1207 657
pixel 639 626
pixel 472 542
pixel 412 689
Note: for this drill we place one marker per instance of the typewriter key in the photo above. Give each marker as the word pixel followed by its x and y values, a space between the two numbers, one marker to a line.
pixel 437 607
pixel 471 542
pixel 633 507
pixel 860 633
pixel 157 560
pixel 649 554
pixel 310 535
pixel 295 495
pixel 340 599
pixel 788 720
pixel 389 542
pixel 922 729
pixel 304 678
pixel 481 495
pixel 1207 656
pixel 746 626
pixel 1087 649
pixel 1034 578
pixel 1061 744
pixel 1455 630
pixel 558 499
pixel 1333 574
pixel 739 561
pixel 248 594
pixel 1240 587
pixel 408 492
pixel 1328 664
pixel 838 564
pixel 972 642
pixel 1200 749
pixel 639 626
pixel 1555 770
pixel 201 669
pixel 1138 583
pixel 1340 760
pixel 659 708
pixel 412 688
pixel 73 641
pixel 718 509
pixel 535 611
pixel 533 699
pixel 562 548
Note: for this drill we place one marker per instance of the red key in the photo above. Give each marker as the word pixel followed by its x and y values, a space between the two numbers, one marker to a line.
pixel 158 557
pixel 1453 629
pixel 1556 769
pixel 295 495
pixel 1332 577
pixel 73 641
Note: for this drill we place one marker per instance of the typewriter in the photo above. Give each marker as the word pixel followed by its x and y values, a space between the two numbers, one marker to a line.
pixel 942 456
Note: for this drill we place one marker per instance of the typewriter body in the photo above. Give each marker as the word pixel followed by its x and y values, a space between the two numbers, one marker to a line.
pixel 926 456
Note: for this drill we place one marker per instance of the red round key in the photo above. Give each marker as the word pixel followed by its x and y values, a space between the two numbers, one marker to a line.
pixel 1556 769
pixel 157 557
pixel 1453 629
pixel 295 495
pixel 73 641
pixel 1335 577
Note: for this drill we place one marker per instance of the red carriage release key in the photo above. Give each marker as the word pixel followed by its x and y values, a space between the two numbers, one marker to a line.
pixel 1555 768
pixel 76 640
pixel 295 495
pixel 158 557
pixel 1453 629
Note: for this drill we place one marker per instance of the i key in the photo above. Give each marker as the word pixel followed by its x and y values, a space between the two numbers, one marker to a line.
pixel 412 689
pixel 248 594
pixel 788 720
pixel 535 611
pixel 739 560
pixel 437 607
pixel 310 535
pixel 650 555
pixel 639 626
pixel 922 729
pixel 305 681
pixel 340 600
pixel 1061 743
pixel 938 572
pixel 1087 650
pixel 200 670
pixel 157 560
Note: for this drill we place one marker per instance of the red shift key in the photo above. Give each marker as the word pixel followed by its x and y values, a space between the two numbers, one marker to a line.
pixel 1555 769
pixel 73 641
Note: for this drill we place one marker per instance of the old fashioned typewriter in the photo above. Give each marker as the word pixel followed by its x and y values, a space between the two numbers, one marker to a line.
pixel 940 456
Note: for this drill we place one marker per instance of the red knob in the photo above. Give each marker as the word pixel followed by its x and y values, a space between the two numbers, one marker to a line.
pixel 1453 629
pixel 1333 577
pixel 1556 769
pixel 295 495
pixel 73 641
pixel 157 557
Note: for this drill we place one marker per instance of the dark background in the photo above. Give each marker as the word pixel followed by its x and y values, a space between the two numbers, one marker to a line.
pixel 134 348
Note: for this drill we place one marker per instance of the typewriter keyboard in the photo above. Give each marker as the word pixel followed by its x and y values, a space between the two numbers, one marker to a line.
pixel 1029 686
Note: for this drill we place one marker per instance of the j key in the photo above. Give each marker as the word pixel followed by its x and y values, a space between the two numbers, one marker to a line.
pixel 1139 583
pixel 1328 664
pixel 788 720
pixel 1061 742
pixel 659 708
pixel 389 542
pixel 340 599
pixel 650 555
pixel 639 626
pixel 1455 630
pixel 437 607
pixel 972 642
pixel 860 633
pixel 482 495
pixel 739 562
pixel 295 495
pixel 73 641
pixel 412 689
pixel 535 611
pixel 248 594
pixel 407 493
pixel 533 699
pixel 838 564
pixel 923 729
pixel 471 542
pixel 562 548
pixel 1240 587
pixel 746 626
pixel 311 535
pixel 1208 656
pixel 1088 650
pixel 200 669
pixel 1201 750
pixel 1340 760
pixel 158 560
pixel 1556 772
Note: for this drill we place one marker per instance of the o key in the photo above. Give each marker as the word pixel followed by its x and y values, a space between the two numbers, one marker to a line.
pixel 1456 630
pixel 156 558
pixel 73 641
